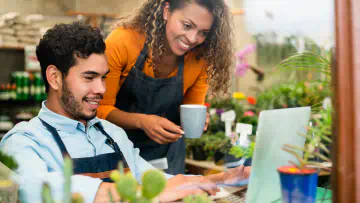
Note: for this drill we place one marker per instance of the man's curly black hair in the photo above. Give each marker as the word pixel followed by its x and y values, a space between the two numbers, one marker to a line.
pixel 64 42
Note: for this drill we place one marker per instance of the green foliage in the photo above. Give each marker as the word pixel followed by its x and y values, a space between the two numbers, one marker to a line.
pixel 202 198
pixel 8 161
pixel 239 151
pixel 292 95
pixel 211 143
pixel 318 137
pixel 269 52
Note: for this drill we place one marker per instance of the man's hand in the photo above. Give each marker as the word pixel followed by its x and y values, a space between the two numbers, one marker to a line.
pixel 236 175
pixel 102 195
pixel 160 129
pixel 181 186
pixel 207 121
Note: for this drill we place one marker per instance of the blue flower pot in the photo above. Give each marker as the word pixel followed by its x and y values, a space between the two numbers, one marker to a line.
pixel 298 187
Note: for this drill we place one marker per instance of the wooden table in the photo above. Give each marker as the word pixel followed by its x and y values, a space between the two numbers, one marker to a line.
pixel 209 167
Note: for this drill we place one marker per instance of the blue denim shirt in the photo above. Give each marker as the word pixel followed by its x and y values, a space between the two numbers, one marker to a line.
pixel 40 159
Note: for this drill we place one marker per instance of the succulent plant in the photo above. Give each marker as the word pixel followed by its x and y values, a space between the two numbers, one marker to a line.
pixel 153 183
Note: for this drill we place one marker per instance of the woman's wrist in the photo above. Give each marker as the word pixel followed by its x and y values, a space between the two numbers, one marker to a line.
pixel 140 118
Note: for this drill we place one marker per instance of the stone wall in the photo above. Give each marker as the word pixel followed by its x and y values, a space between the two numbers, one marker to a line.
pixel 59 7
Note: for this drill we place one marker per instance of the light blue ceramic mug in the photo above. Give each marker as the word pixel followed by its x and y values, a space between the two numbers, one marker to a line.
pixel 193 119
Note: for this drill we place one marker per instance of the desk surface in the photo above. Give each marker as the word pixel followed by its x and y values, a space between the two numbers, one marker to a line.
pixel 212 166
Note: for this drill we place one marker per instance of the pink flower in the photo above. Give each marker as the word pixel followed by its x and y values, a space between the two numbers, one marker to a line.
pixel 241 63
pixel 249 113
pixel 246 51
pixel 241 68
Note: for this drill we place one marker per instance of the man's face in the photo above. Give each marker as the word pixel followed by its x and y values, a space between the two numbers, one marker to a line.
pixel 83 87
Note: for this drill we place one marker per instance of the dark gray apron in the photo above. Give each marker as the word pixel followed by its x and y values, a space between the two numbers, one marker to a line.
pixel 154 96
pixel 99 166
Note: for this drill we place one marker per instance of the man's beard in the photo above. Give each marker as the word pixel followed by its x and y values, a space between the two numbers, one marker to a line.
pixel 73 107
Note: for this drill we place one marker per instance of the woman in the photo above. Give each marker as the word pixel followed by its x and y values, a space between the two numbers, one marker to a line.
pixel 166 55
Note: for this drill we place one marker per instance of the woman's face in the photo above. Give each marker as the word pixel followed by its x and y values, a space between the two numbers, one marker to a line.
pixel 187 27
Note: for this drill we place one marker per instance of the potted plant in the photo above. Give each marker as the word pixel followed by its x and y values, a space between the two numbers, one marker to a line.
pixel 216 145
pixel 299 180
pixel 8 189
pixel 195 147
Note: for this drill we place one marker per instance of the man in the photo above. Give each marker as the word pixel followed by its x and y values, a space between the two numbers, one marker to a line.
pixel 73 66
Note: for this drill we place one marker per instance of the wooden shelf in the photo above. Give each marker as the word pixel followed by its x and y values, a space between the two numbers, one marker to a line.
pixel 18 48
pixel 12 103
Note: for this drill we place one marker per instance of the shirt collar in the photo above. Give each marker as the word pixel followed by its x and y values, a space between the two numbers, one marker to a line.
pixel 63 123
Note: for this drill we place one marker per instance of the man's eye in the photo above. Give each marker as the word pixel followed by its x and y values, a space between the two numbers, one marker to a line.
pixel 89 78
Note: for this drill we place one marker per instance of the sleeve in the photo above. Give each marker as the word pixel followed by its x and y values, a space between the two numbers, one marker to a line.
pixel 117 57
pixel 33 172
pixel 197 92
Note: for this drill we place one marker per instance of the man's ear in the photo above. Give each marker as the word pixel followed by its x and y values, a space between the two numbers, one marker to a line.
pixel 166 11
pixel 54 77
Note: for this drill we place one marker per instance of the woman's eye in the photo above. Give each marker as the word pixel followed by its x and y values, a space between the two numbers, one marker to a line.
pixel 187 26
pixel 89 78
pixel 205 34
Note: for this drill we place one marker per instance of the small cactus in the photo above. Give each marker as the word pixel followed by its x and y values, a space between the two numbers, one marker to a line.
pixel 46 194
pixel 115 175
pixel 202 198
pixel 77 198
pixel 127 186
pixel 153 183
pixel 68 172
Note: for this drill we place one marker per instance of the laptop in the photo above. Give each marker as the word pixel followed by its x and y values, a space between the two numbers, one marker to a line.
pixel 275 128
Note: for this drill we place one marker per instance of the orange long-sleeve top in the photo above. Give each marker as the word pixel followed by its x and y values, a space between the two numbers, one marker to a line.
pixel 123 46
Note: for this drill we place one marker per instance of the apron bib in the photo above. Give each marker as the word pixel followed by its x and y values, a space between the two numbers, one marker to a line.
pixel 154 96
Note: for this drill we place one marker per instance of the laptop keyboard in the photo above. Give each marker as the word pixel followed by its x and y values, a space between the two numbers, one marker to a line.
pixel 236 197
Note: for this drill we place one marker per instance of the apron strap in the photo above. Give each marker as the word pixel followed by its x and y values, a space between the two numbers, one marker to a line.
pixel 109 141
pixel 57 138
pixel 180 72
pixel 141 58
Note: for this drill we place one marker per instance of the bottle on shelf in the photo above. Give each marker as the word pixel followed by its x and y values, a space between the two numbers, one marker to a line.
pixel 13 92
pixel 26 85
pixel 19 85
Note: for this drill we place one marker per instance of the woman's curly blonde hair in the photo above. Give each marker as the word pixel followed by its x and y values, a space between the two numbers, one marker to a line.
pixel 217 49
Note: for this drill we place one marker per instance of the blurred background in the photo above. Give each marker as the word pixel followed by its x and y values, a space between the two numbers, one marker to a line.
pixel 267 34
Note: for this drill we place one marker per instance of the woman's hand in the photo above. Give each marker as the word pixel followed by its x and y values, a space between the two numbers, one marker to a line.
pixel 160 129
pixel 236 175
pixel 181 186
pixel 207 121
